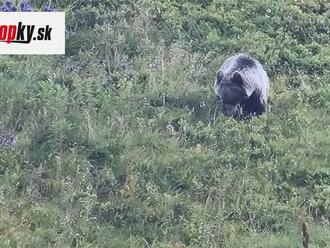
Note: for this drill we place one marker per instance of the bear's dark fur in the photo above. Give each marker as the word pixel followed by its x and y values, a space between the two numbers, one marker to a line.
pixel 241 85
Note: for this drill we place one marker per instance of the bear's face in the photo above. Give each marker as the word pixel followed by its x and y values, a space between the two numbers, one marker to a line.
pixel 230 92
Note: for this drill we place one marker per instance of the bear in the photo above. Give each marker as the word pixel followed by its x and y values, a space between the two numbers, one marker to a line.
pixel 241 86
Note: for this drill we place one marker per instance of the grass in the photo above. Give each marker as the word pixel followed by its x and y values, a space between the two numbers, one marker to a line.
pixel 120 144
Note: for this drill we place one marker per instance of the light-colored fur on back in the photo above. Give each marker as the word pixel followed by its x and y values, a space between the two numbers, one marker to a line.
pixel 254 76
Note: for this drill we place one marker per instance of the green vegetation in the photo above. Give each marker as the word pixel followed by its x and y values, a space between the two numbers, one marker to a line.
pixel 120 144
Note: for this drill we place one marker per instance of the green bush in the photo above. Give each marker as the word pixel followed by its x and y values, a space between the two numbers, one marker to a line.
pixel 120 142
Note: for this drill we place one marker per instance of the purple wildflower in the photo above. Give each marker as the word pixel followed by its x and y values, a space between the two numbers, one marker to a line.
pixel 7 141
pixel 8 7
pixel 25 6
pixel 48 8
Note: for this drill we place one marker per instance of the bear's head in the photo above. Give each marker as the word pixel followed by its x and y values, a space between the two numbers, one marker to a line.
pixel 231 92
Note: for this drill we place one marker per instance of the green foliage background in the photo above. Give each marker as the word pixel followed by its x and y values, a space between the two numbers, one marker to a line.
pixel 120 143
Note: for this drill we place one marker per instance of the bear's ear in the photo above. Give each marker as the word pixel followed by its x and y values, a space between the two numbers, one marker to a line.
pixel 219 76
pixel 237 78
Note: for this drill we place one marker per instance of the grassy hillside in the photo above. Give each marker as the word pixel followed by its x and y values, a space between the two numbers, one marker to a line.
pixel 120 144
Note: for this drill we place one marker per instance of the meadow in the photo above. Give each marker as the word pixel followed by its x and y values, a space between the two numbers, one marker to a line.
pixel 120 142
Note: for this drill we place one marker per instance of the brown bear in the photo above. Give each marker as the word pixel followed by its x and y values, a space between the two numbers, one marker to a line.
pixel 241 86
